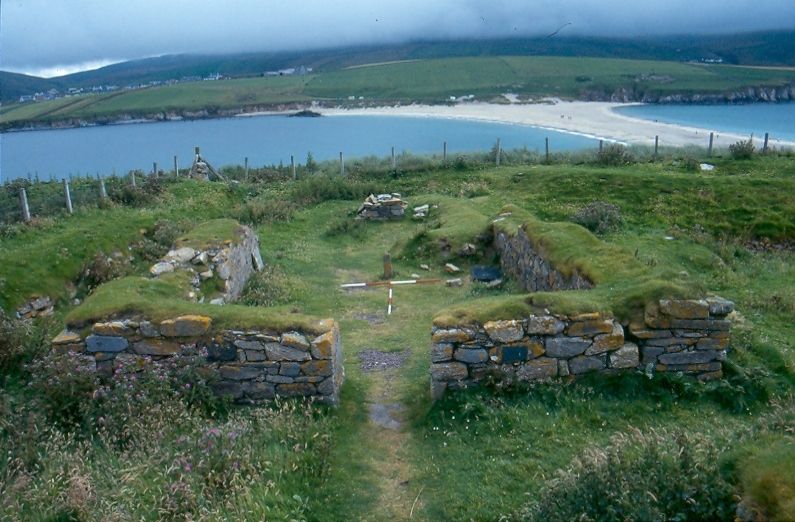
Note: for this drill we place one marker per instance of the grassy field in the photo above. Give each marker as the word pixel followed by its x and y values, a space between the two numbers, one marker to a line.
pixel 646 449
pixel 432 81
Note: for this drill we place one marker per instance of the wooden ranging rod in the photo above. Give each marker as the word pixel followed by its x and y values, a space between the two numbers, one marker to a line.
pixel 389 285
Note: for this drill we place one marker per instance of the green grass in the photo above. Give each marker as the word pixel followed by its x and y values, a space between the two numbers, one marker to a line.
pixel 210 233
pixel 432 81
pixel 475 455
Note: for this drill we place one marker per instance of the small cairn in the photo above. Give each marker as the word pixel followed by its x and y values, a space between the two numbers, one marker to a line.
pixel 36 307
pixel 382 206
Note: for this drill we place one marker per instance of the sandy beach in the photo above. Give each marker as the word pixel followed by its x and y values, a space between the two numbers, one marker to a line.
pixel 595 119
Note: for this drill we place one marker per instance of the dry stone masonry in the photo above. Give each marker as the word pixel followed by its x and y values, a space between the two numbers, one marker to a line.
pixel 245 365
pixel 530 268
pixel 232 262
pixel 689 336
pixel 382 206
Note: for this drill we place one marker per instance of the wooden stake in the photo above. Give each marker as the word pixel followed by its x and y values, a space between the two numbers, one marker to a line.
pixel 711 140
pixel 764 147
pixel 497 155
pixel 444 152
pixel 342 165
pixel 23 202
pixel 656 146
pixel 546 147
pixel 132 178
pixel 245 162
pixel 67 195
pixel 387 266
pixel 292 167
pixel 102 192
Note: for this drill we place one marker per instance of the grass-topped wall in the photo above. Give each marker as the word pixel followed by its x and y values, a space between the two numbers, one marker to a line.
pixel 602 310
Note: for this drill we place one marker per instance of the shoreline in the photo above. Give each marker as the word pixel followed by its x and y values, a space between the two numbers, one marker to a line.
pixel 597 120
pixel 590 119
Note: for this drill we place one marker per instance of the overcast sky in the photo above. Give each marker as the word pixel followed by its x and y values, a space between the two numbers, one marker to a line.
pixel 50 37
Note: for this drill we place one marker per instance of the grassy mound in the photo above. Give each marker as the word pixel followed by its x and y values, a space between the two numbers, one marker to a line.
pixel 211 233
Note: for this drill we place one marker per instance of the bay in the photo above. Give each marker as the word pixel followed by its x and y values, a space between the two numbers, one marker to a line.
pixel 265 140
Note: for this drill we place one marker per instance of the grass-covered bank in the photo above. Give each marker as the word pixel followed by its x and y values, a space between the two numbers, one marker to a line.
pixel 476 455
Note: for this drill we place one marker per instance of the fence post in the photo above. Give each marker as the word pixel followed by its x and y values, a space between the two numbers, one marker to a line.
pixel 711 140
pixel 444 152
pixel 388 266
pixel 394 163
pixel 342 165
pixel 656 145
pixel 67 195
pixel 23 202
pixel 102 192
pixel 292 167
pixel 154 168
pixel 132 178
pixel 176 170
pixel 764 147
pixel 546 147
pixel 601 145
pixel 245 162
pixel 499 152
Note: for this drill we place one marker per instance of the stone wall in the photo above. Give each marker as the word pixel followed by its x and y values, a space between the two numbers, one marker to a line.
pixel 246 365
pixel 689 336
pixel 232 262
pixel 530 268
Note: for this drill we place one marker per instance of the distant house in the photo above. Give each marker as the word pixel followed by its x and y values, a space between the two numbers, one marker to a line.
pixel 26 98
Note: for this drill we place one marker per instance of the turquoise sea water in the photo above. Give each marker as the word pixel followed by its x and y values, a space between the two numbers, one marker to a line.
pixel 265 140
pixel 778 119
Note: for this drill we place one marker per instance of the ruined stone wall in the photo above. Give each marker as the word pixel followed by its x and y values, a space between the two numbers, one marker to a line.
pixel 689 336
pixel 246 365
pixel 231 262
pixel 530 268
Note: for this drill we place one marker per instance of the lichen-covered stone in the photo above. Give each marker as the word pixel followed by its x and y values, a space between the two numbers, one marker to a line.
pixel 470 355
pixel 322 367
pixel 290 369
pixel 563 368
pixel 441 352
pixel 452 371
pixel 452 335
pixel 239 373
pixel 537 369
pixel 719 306
pixel 278 352
pixel 565 347
pixel 186 326
pixel 625 357
pixel 259 390
pixel 544 325
pixel 322 346
pixel 181 255
pixel 255 355
pixel 607 342
pixel 156 347
pixel 699 356
pixel 147 329
pixel 161 268
pixel 111 328
pixel 711 343
pixel 650 353
pixel 685 308
pixel 104 343
pixel 232 390
pixel 249 345
pixel 67 337
pixel 326 386
pixel 298 389
pixel 295 340
pixel 640 331
pixel 504 331
pixel 583 364
pixel 593 327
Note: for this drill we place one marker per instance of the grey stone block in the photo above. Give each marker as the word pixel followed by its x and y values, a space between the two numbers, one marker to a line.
pixel 105 343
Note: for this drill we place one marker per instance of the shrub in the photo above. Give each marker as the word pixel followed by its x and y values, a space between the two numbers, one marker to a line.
pixel 270 287
pixel 742 149
pixel 102 268
pixel 346 226
pixel 691 164
pixel 325 188
pixel 258 211
pixel 599 217
pixel 642 476
pixel 614 155
pixel 20 341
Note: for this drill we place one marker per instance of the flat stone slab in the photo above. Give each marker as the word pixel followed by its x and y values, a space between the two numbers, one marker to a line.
pixel 105 343
pixel 376 361
pixel 384 415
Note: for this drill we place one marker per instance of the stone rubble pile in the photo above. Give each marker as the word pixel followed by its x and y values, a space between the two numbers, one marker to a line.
pixel 382 206
pixel 231 262
pixel 36 307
